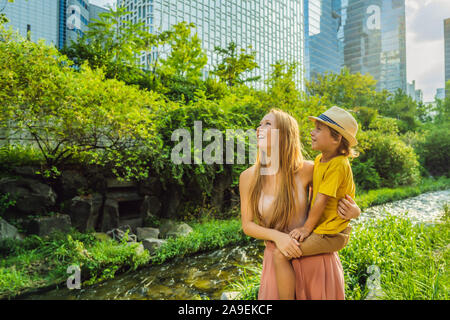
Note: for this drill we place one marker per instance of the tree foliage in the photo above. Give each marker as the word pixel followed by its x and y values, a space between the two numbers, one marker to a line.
pixel 69 114
pixel 234 64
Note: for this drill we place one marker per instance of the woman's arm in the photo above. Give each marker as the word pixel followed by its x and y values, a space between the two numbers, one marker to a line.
pixel 288 246
pixel 348 209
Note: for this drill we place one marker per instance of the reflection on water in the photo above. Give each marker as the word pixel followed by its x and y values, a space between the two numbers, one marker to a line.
pixel 207 275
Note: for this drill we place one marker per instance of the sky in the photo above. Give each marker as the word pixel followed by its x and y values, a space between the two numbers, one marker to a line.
pixel 424 43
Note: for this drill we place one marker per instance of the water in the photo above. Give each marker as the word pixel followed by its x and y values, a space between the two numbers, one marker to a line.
pixel 207 275
pixel 426 208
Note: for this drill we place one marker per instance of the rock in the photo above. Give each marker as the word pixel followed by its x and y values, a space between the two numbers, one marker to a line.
pixel 101 236
pixel 8 231
pixel 151 206
pixel 180 230
pixel 230 295
pixel 84 211
pixel 222 182
pixel 32 196
pixel 152 245
pixel 44 226
pixel 173 229
pixel 110 215
pixel 166 226
pixel 96 178
pixel 119 233
pixel 203 285
pixel 27 171
pixel 134 223
pixel 145 233
pixel 71 183
pixel 151 186
pixel 171 200
pixel 139 248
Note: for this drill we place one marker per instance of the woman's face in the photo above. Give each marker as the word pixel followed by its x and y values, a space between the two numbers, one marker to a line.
pixel 263 133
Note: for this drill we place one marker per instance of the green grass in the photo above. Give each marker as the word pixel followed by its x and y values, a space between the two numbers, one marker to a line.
pixel 411 258
pixel 208 235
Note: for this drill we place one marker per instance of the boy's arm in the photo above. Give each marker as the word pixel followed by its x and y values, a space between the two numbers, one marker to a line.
pixel 313 218
pixel 316 211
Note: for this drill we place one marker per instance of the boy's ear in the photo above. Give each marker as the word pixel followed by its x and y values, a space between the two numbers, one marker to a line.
pixel 338 139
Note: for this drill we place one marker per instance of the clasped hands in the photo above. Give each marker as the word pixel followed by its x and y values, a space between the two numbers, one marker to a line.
pixel 300 233
pixel 289 244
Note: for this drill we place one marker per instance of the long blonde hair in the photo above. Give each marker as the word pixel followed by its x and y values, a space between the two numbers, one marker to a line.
pixel 290 161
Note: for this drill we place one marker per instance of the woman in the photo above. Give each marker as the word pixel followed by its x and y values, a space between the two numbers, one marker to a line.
pixel 274 192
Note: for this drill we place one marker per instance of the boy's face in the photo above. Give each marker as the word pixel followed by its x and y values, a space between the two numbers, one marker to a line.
pixel 321 138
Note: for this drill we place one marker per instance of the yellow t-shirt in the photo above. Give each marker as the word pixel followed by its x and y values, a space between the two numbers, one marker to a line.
pixel 335 179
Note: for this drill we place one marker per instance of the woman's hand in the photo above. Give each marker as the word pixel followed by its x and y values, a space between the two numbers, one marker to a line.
pixel 348 209
pixel 288 246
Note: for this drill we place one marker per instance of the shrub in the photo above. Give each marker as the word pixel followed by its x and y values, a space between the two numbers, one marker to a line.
pixel 434 150
pixel 365 175
pixel 393 160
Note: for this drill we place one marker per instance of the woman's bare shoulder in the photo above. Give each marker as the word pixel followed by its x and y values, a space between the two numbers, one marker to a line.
pixel 246 174
pixel 306 171
pixel 308 167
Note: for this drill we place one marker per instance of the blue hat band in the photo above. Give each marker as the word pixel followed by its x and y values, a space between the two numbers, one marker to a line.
pixel 326 119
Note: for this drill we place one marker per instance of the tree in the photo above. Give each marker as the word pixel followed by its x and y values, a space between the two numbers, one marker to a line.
pixel 180 70
pixel 111 43
pixel 186 58
pixel 232 68
pixel 403 108
pixel 68 113
pixel 443 107
pixel 281 85
pixel 347 90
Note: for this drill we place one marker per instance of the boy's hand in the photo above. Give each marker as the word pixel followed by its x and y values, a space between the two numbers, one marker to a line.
pixel 300 234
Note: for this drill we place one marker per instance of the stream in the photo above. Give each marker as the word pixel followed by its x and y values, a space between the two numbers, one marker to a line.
pixel 207 275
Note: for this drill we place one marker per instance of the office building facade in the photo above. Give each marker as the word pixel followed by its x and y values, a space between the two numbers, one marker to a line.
pixel 274 29
pixel 440 94
pixel 58 22
pixel 39 18
pixel 415 94
pixel 374 40
pixel 447 54
pixel 323 49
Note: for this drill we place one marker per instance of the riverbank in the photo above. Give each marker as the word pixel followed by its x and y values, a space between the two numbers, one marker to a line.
pixel 387 258
pixel 38 263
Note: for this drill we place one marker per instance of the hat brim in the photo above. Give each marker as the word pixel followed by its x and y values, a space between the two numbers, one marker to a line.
pixel 352 140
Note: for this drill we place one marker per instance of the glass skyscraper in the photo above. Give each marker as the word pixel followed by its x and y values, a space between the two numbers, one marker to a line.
pixel 40 18
pixel 56 21
pixel 447 53
pixel 323 50
pixel 274 28
pixel 374 40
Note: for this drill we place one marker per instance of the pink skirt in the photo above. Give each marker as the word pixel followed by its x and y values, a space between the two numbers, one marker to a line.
pixel 318 277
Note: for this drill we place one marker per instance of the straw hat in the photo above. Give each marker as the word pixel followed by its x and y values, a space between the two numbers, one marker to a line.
pixel 341 121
